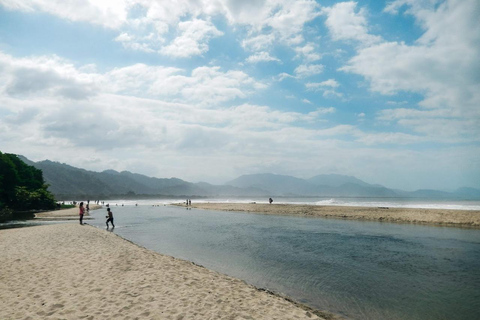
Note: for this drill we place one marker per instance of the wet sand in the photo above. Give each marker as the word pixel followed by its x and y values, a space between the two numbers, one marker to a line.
pixel 70 271
pixel 439 217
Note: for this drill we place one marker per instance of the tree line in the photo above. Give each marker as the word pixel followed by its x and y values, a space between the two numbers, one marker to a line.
pixel 22 188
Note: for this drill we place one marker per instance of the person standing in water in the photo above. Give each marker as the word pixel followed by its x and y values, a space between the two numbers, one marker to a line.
pixel 110 218
pixel 81 212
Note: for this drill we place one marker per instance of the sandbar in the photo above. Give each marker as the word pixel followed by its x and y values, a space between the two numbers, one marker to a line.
pixel 438 217
pixel 70 271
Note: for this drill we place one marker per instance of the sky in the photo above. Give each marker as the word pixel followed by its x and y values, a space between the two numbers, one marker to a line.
pixel 386 91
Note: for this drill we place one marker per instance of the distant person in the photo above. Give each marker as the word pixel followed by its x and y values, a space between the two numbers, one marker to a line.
pixel 189 202
pixel 270 200
pixel 81 212
pixel 110 218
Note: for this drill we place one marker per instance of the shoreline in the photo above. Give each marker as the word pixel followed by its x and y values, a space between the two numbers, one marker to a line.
pixel 64 214
pixel 434 217
pixel 74 271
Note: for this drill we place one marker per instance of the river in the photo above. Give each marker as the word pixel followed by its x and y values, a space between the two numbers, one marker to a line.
pixel 361 270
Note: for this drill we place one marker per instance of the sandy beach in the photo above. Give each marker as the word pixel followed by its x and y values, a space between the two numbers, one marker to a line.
pixel 70 271
pixel 439 217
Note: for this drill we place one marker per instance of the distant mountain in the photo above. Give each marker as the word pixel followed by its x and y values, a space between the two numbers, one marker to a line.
pixel 336 180
pixel 67 182
pixel 321 185
pixel 429 194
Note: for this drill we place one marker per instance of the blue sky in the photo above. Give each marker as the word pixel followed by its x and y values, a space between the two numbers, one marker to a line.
pixel 387 91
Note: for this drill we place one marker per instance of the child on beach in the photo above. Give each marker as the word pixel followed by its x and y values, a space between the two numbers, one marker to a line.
pixel 81 212
pixel 110 218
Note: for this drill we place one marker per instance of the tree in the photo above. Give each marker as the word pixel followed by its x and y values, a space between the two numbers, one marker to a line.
pixel 21 187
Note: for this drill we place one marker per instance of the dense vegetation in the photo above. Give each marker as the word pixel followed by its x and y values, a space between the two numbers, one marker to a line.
pixel 22 188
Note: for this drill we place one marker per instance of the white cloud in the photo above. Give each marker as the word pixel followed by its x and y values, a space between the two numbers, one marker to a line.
pixel 124 37
pixel 143 80
pixel 443 66
pixel 108 13
pixel 51 76
pixel 322 111
pixel 261 57
pixel 285 18
pixel 260 42
pixel 327 87
pixel 331 83
pixel 289 19
pixel 394 6
pixel 282 76
pixel 193 39
pixel 307 70
pixel 267 22
pixel 395 138
pixel 346 24
pixel 273 22
pixel 308 53
pixel 45 76
pixel 440 125
pixel 205 85
pixel 129 42
pixel 212 86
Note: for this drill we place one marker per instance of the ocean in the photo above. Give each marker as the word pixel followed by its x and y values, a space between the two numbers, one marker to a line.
pixel 355 202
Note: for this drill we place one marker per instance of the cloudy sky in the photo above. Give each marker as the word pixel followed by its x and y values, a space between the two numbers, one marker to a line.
pixel 387 91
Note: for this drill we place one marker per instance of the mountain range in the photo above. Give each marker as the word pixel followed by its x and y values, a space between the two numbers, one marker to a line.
pixel 67 182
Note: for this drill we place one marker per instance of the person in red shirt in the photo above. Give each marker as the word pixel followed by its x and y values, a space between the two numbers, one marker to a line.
pixel 82 212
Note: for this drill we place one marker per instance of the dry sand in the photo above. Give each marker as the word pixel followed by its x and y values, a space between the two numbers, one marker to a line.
pixel 440 217
pixel 70 271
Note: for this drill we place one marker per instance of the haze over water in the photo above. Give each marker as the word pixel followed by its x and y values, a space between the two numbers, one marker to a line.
pixel 362 270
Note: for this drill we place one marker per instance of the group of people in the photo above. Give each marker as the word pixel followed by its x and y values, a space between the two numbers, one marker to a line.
pixel 109 215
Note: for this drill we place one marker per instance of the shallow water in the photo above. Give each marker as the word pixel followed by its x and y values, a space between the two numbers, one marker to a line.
pixel 362 270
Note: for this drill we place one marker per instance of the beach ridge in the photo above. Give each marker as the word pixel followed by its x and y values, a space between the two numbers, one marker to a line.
pixel 438 217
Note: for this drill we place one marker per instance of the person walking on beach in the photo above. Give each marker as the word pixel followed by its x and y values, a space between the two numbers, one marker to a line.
pixel 110 218
pixel 81 212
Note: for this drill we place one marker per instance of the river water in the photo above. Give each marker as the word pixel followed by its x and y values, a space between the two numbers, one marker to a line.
pixel 361 270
